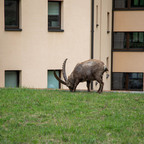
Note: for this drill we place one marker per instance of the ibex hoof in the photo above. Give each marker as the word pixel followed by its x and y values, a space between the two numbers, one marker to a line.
pixel 99 92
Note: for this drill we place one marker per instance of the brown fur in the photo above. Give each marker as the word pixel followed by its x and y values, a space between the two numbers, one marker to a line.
pixel 88 71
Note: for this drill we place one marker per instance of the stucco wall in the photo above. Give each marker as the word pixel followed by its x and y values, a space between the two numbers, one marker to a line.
pixel 128 62
pixel 34 50
pixel 128 21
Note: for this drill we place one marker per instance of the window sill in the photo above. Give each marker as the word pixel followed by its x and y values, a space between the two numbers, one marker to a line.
pixel 55 30
pixel 7 29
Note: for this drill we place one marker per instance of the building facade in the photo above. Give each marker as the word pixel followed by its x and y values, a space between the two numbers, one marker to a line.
pixel 128 45
pixel 36 36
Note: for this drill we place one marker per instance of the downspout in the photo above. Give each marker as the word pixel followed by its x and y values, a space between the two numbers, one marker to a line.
pixel 100 30
pixel 92 29
pixel 92 34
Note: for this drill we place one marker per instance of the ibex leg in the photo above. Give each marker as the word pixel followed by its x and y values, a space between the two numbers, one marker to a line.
pixel 101 85
pixel 88 85
pixel 75 85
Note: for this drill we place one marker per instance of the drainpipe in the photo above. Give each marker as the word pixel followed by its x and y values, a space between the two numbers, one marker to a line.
pixel 92 34
pixel 92 29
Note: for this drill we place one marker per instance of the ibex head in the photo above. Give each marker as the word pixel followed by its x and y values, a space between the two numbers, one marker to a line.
pixel 69 82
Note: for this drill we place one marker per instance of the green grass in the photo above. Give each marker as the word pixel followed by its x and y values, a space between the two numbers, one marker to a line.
pixel 30 116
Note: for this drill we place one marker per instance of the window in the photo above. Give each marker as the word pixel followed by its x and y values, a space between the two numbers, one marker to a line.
pixel 119 40
pixel 128 4
pixel 11 78
pixel 127 81
pixel 12 15
pixel 120 3
pixel 54 15
pixel 136 40
pixel 128 41
pixel 137 3
pixel 52 81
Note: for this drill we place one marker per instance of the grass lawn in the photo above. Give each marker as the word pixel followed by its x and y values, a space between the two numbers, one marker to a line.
pixel 30 116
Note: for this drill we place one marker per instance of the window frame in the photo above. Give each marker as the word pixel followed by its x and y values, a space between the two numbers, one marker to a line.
pixel 129 7
pixel 17 26
pixel 128 48
pixel 55 29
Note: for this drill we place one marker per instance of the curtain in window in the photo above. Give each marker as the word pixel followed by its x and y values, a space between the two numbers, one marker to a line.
pixel 141 2
pixel 136 2
pixel 135 37
pixel 141 37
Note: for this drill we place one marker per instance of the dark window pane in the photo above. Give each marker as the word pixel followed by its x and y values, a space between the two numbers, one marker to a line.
pixel 127 81
pixel 118 81
pixel 11 79
pixel 53 21
pixel 142 3
pixel 119 40
pixel 11 13
pixel 120 3
pixel 137 3
pixel 128 41
pixel 135 81
pixel 137 40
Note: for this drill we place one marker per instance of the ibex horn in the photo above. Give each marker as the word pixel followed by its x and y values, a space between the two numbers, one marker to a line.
pixel 64 70
pixel 61 81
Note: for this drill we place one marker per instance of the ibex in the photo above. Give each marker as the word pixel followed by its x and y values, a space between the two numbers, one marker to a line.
pixel 88 71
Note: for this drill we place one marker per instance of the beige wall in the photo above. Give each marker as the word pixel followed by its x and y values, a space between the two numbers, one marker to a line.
pixel 128 21
pixel 34 50
pixel 102 39
pixel 128 62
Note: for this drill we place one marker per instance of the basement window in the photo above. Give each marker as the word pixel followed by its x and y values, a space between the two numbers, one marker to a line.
pixel 12 78
pixel 53 83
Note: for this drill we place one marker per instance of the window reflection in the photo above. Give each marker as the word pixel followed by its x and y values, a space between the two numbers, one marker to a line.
pixel 127 81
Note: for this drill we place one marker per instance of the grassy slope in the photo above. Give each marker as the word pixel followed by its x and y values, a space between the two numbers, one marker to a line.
pixel 42 116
